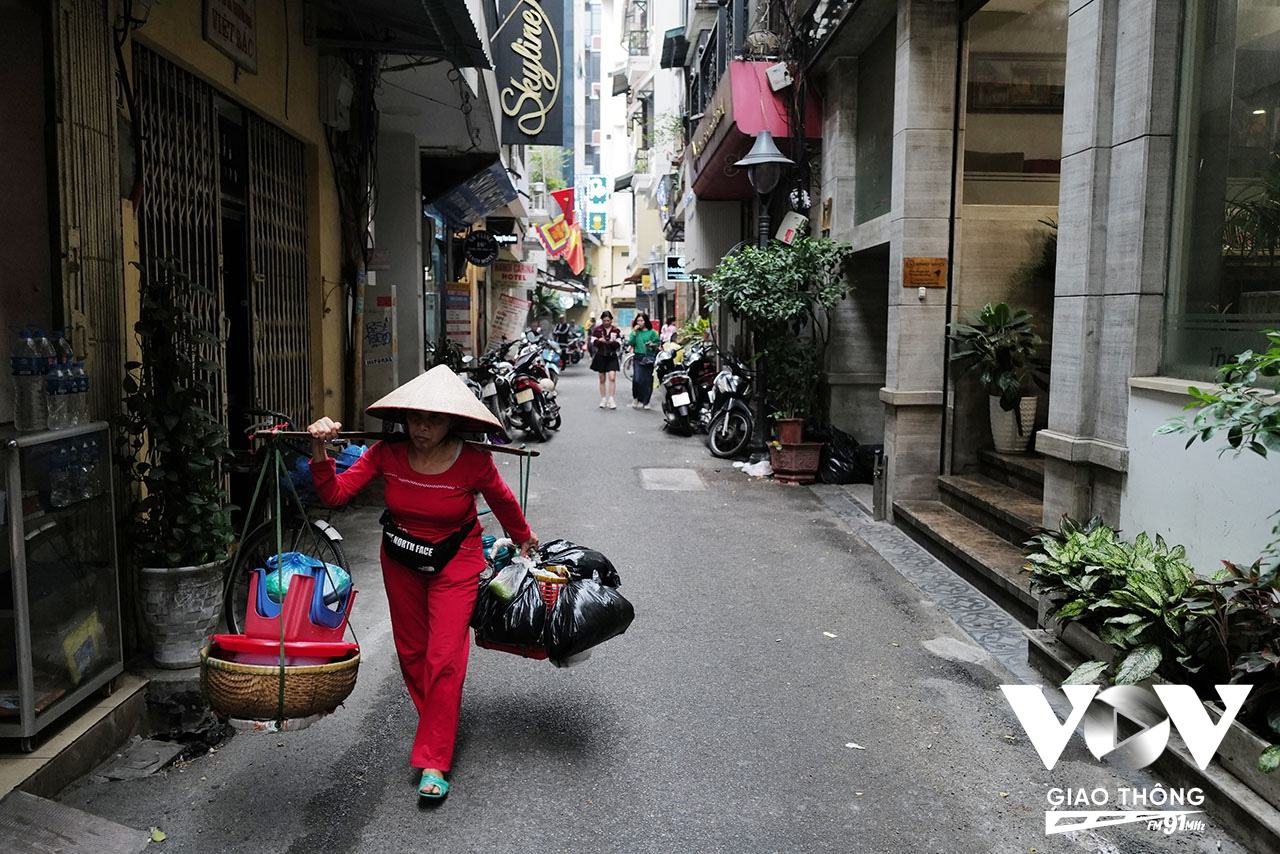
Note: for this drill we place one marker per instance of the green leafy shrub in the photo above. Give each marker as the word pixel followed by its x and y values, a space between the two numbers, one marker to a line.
pixel 1130 594
pixel 786 292
pixel 170 446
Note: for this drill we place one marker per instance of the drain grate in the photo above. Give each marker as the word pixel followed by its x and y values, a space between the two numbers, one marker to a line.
pixel 678 480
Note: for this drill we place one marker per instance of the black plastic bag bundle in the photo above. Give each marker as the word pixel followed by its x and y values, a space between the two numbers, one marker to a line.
pixel 838 462
pixel 582 561
pixel 586 613
pixel 519 622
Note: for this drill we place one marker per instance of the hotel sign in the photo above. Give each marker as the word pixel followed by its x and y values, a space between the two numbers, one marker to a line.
pixel 530 71
pixel 232 27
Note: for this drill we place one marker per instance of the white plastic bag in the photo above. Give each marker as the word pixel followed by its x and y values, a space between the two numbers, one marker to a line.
pixel 508 580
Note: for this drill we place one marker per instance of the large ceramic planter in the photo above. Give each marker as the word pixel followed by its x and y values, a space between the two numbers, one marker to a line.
pixel 1004 425
pixel 796 463
pixel 181 606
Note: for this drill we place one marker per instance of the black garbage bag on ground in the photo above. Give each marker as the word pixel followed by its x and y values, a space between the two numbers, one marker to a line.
pixel 586 613
pixel 519 622
pixel 582 561
pixel 838 462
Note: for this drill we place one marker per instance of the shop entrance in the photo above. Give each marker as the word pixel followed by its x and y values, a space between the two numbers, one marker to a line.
pixel 1010 139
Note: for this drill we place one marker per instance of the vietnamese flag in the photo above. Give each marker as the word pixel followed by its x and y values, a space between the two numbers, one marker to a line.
pixel 573 254
pixel 564 198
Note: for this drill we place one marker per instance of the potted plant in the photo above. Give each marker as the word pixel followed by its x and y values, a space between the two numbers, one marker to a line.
pixel 1000 344
pixel 784 293
pixel 171 448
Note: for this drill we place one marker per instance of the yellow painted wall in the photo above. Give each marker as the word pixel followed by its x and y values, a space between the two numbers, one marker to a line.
pixel 285 90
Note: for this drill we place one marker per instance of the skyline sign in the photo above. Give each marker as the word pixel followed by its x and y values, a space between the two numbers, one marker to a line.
pixel 529 65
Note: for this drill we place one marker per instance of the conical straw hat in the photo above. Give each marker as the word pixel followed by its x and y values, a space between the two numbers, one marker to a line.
pixel 438 390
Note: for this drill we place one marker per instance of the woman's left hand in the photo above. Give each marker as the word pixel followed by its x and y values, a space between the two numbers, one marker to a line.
pixel 529 546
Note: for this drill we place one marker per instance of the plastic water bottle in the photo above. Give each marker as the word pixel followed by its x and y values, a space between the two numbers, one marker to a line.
pixel 57 384
pixel 79 397
pixel 60 490
pixel 29 409
pixel 95 484
pixel 62 351
pixel 82 481
pixel 46 358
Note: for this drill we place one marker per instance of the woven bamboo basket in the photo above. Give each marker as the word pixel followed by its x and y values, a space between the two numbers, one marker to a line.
pixel 253 691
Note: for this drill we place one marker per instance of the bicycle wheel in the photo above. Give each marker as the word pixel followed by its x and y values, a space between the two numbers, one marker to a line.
pixel 627 366
pixel 312 537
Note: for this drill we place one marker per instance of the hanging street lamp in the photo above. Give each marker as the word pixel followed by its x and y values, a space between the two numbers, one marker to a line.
pixel 764 164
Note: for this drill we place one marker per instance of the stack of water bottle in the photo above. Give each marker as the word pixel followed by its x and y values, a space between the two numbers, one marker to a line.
pixel 76 471
pixel 50 387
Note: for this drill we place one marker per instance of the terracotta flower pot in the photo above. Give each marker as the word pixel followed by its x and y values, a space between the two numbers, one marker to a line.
pixel 790 430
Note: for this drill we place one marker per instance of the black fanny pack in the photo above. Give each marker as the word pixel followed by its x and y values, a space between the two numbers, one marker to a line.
pixel 419 554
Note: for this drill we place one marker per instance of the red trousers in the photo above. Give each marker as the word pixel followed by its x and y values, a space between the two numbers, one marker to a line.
pixel 430 622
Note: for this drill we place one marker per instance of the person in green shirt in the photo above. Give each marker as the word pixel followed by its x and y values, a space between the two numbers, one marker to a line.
pixel 644 343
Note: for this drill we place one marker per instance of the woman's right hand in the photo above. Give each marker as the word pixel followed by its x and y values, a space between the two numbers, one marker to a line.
pixel 325 429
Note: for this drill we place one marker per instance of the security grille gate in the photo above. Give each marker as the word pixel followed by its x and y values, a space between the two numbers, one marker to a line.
pixel 278 271
pixel 91 297
pixel 181 218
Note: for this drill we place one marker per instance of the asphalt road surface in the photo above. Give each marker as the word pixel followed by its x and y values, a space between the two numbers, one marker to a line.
pixel 774 694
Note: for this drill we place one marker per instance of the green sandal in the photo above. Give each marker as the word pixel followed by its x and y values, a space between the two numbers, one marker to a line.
pixel 432 780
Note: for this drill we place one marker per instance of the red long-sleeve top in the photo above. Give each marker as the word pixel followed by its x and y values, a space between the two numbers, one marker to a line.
pixel 431 506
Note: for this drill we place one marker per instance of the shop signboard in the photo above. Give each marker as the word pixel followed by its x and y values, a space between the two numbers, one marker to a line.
pixel 513 274
pixel 232 27
pixel 596 202
pixel 529 66
pixel 508 318
pixel 457 314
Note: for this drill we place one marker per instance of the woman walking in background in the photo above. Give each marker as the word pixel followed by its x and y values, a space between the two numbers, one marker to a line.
pixel 607 340
pixel 644 343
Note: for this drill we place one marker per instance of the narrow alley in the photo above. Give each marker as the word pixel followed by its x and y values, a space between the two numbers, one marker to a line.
pixel 782 689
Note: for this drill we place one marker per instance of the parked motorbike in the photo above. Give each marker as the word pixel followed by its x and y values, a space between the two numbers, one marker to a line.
pixel 731 420
pixel 537 409
pixel 492 373
pixel 686 375
pixel 572 350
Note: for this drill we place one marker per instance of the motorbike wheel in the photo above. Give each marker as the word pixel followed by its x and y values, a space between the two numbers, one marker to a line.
pixel 533 422
pixel 553 421
pixel 503 415
pixel 729 435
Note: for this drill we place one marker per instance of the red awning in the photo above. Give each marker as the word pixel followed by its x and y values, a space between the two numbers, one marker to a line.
pixel 744 104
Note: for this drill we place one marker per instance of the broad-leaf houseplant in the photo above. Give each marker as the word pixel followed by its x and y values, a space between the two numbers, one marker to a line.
pixel 999 344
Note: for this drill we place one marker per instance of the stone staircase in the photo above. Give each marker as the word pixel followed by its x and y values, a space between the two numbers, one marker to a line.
pixel 980 523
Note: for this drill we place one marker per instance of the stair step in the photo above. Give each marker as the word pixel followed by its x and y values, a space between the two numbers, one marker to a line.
pixel 32 824
pixel 988 561
pixel 1024 472
pixel 1003 509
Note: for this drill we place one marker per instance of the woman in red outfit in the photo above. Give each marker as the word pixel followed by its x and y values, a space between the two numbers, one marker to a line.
pixel 431 479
